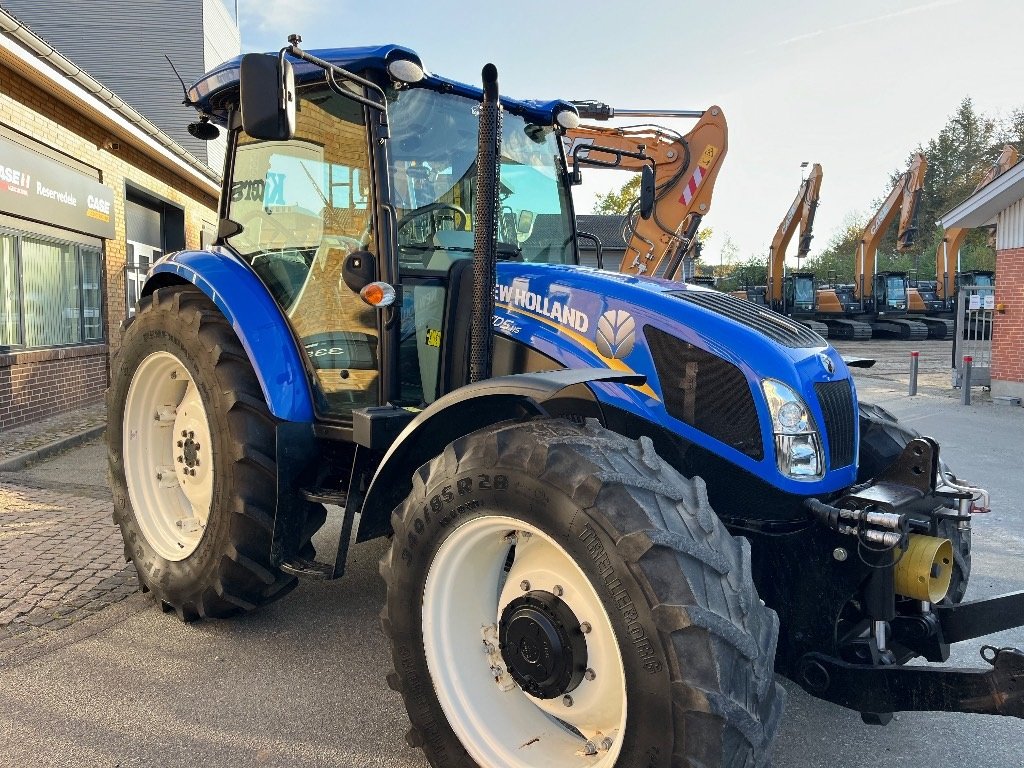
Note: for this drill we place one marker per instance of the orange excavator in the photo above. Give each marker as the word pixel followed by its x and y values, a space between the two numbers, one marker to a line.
pixel 947 274
pixel 793 294
pixel 680 173
pixel 877 301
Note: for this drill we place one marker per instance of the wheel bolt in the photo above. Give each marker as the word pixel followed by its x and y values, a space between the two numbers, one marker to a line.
pixel 606 743
pixel 191 434
pixel 197 462
pixel 585 627
pixel 181 444
pixel 567 700
pixel 590 674
pixel 181 459
pixel 192 472
pixel 197 446
pixel 524 585
pixel 839 554
pixel 589 748
pixel 558 591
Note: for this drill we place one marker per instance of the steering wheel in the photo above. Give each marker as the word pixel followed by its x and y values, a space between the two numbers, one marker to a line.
pixel 430 208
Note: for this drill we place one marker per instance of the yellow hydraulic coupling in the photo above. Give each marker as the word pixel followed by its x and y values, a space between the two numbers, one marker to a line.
pixel 926 568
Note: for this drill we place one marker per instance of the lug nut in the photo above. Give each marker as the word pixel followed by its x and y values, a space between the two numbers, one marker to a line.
pixel 197 462
pixel 567 700
pixel 558 591
pixel 840 554
pixel 606 743
pixel 197 446
pixel 585 627
pixel 191 434
pixel 192 472
pixel 181 444
pixel 590 674
pixel 524 585
pixel 589 748
pixel 184 433
pixel 181 459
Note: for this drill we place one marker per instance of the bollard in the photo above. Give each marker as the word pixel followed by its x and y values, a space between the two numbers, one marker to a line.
pixel 914 358
pixel 965 383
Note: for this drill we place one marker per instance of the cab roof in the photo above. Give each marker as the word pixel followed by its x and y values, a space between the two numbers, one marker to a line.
pixel 214 92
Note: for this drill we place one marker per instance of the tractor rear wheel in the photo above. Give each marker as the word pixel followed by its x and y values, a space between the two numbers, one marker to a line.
pixel 557 592
pixel 191 450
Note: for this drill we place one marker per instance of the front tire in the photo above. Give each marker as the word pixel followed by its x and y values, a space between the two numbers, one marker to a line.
pixel 574 551
pixel 191 450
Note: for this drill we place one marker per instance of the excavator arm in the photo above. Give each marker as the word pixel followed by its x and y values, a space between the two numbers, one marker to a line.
pixel 907 191
pixel 952 239
pixel 685 170
pixel 806 202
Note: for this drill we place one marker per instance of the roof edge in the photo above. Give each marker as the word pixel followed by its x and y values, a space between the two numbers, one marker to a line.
pixel 983 206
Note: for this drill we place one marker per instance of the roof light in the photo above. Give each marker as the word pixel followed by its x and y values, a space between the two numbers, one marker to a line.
pixel 568 118
pixel 406 70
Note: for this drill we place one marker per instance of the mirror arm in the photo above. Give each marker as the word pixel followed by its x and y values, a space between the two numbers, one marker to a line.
pixel 333 72
pixel 598 247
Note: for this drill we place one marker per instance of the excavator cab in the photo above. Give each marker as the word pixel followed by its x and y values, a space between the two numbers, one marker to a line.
pixel 890 293
pixel 799 295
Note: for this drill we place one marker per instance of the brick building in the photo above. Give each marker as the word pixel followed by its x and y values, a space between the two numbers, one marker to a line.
pixel 90 194
pixel 1001 203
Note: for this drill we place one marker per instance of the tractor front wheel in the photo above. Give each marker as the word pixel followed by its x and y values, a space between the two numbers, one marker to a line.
pixel 191 450
pixel 557 592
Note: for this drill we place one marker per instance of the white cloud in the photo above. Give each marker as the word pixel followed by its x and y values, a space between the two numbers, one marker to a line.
pixel 274 20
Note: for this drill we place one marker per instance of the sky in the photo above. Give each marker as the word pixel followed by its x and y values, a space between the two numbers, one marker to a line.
pixel 855 86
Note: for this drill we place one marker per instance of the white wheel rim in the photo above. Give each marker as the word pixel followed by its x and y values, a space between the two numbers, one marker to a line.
pixel 465 593
pixel 168 456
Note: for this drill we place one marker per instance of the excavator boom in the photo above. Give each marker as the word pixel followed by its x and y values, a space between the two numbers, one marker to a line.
pixel 685 170
pixel 806 202
pixel 952 239
pixel 907 191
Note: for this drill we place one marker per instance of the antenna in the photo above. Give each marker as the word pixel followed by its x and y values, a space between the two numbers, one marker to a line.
pixel 184 88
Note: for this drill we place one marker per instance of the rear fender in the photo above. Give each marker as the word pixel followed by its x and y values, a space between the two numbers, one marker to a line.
pixel 467 409
pixel 256 319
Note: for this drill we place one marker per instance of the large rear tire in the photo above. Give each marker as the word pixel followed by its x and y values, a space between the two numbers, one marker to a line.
pixel 571 562
pixel 191 447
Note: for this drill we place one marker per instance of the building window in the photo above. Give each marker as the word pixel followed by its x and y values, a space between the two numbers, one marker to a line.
pixel 51 293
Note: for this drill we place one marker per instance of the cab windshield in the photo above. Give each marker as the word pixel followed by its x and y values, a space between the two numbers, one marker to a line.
pixel 433 184
pixel 803 290
pixel 896 289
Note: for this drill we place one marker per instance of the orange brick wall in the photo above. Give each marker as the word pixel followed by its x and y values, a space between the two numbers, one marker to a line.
pixel 1008 330
pixel 37 383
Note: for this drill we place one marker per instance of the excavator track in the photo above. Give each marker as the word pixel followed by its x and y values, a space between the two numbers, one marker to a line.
pixel 938 328
pixel 848 330
pixel 819 328
pixel 907 330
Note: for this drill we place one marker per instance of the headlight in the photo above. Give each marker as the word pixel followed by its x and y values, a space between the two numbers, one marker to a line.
pixel 798 451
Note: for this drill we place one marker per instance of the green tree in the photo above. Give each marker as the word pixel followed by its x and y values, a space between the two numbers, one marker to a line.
pixel 618 201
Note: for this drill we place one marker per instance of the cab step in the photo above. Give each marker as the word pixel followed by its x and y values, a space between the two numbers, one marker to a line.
pixel 309 570
pixel 325 496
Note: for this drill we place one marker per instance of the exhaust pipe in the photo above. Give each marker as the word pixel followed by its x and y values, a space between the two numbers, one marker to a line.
pixel 485 230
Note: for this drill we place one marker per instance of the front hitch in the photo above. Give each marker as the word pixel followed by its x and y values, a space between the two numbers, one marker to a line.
pixel 878 691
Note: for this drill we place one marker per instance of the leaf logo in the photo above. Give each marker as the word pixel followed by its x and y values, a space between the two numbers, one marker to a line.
pixel 616 334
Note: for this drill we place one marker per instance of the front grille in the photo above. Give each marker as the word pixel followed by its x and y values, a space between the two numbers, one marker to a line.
pixel 706 392
pixel 836 401
pixel 776 327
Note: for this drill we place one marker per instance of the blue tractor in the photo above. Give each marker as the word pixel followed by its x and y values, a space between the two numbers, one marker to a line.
pixel 616 505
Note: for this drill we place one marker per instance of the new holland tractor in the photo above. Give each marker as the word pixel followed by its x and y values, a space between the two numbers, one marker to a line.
pixel 616 505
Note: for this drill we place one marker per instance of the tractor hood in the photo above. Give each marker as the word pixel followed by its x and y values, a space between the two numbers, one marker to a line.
pixel 705 355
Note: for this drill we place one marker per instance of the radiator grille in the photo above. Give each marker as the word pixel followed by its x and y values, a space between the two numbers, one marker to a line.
pixel 836 401
pixel 706 392
pixel 777 327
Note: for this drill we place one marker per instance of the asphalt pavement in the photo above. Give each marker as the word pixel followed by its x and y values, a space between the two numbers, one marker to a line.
pixel 301 682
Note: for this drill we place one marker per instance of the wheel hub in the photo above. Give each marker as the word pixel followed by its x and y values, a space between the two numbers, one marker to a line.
pixel 542 645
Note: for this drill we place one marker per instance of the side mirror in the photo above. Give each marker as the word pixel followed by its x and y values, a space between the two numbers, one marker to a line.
pixel 267 95
pixel 646 192
pixel 525 224
pixel 359 270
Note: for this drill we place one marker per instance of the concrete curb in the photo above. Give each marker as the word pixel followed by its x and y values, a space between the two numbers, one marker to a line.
pixel 22 460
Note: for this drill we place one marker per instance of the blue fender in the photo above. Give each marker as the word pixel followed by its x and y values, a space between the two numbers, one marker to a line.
pixel 256 319
pixel 458 413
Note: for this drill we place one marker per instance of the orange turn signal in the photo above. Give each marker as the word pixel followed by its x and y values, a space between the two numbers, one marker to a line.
pixel 378 294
